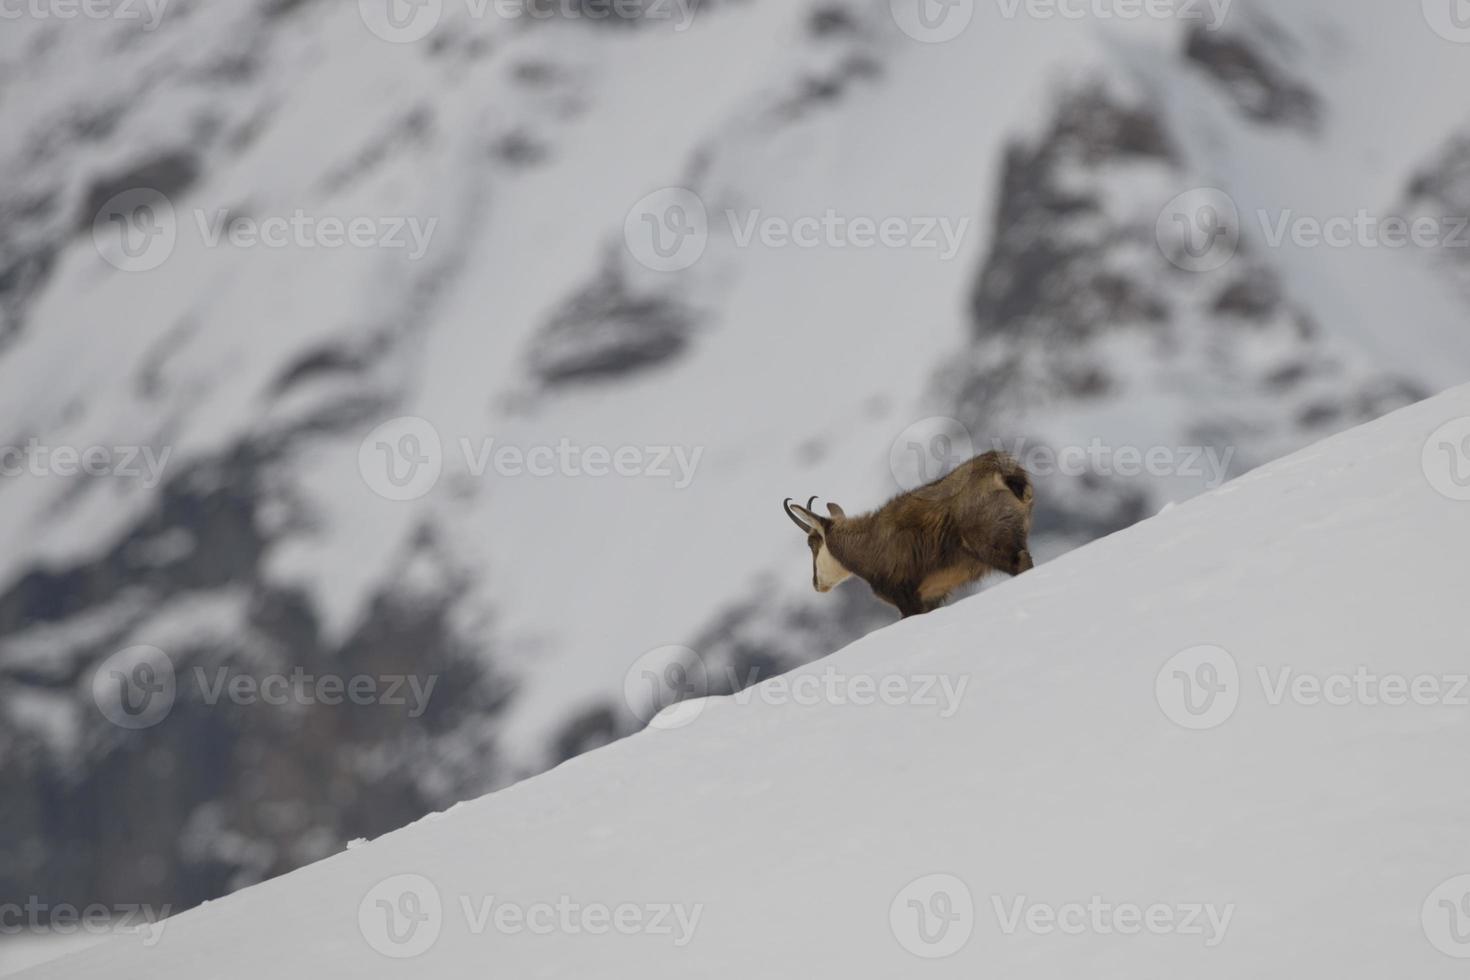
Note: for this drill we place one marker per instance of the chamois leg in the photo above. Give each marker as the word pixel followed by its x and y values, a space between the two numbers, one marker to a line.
pixel 1007 554
pixel 1020 552
pixel 932 604
pixel 909 605
pixel 906 601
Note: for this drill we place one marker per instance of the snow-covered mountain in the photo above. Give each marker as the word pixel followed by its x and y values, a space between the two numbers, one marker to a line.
pixel 1225 742
pixel 687 264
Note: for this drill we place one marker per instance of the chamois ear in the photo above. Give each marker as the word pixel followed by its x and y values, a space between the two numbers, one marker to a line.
pixel 803 517
pixel 817 521
pixel 835 510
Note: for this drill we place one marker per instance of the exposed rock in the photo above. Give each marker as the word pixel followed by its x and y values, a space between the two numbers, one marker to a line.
pixel 607 330
pixel 225 792
pixel 170 173
pixel 1255 81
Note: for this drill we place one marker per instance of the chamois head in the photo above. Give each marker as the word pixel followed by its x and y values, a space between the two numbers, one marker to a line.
pixel 827 571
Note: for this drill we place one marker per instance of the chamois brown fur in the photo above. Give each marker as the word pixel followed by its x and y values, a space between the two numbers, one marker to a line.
pixel 922 545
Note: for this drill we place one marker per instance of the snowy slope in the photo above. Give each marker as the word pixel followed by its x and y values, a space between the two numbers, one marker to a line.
pixel 264 373
pixel 1255 834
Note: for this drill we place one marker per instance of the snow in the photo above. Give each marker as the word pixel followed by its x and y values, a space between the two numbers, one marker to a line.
pixel 18 953
pixel 1026 764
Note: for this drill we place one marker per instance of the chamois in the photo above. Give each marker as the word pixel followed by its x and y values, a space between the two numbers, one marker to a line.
pixel 922 545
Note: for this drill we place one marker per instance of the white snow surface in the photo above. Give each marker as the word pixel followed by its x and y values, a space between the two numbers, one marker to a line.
pixel 1326 839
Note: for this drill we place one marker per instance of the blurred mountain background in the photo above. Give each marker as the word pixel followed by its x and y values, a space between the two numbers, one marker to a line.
pixel 753 249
